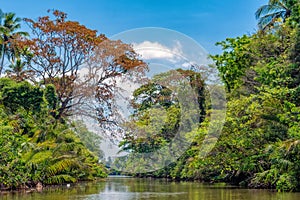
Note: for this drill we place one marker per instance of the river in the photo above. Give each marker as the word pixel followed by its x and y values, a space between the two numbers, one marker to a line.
pixel 126 188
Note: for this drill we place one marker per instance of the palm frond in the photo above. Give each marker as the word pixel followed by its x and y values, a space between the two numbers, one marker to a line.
pixel 39 157
pixel 61 166
pixel 64 147
pixel 268 15
pixel 268 20
pixel 290 144
pixel 281 3
pixel 59 179
pixel 62 157
pixel 267 10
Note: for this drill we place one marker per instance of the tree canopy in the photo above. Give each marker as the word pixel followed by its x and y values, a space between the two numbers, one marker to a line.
pixel 259 144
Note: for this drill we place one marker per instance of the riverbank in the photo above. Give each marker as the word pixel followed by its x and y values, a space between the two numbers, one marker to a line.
pixel 39 187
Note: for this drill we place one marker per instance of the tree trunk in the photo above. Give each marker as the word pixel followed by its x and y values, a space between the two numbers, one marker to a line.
pixel 2 59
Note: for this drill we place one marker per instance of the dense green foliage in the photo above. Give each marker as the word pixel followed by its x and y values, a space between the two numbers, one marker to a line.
pixel 259 146
pixel 157 123
pixel 90 139
pixel 260 143
pixel 34 147
pixel 42 89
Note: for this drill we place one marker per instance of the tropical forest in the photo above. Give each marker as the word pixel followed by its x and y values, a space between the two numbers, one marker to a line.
pixel 56 69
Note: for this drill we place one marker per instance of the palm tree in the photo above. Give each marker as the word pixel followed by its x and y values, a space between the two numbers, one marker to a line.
pixel 270 15
pixel 17 71
pixel 9 24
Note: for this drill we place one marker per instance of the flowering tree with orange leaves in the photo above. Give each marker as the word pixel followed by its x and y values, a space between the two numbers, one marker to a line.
pixel 82 65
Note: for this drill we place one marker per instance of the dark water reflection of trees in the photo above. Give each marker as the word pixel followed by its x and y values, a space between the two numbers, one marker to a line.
pixel 150 189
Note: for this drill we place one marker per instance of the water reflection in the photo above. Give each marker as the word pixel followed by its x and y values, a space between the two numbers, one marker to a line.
pixel 116 188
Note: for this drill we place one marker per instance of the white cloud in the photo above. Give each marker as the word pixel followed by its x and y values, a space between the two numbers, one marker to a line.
pixel 186 65
pixel 155 50
pixel 177 55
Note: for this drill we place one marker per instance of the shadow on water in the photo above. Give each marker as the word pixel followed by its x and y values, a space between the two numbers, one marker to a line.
pixel 127 188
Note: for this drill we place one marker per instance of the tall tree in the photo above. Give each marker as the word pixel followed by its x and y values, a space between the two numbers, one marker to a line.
pixel 62 48
pixel 158 110
pixel 9 25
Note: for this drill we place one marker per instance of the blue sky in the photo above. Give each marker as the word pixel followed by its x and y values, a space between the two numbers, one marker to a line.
pixel 206 21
